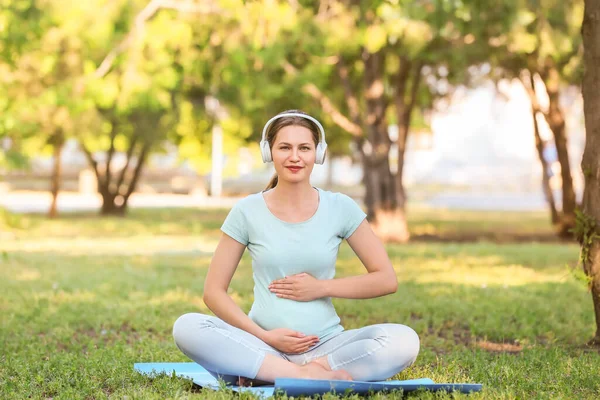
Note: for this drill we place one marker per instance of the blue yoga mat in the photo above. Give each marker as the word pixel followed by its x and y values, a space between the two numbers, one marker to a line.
pixel 308 387
pixel 297 387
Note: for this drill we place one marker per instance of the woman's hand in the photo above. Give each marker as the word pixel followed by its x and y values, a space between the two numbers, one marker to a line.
pixel 289 341
pixel 300 287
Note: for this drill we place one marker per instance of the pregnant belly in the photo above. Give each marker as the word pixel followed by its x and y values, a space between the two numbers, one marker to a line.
pixel 311 318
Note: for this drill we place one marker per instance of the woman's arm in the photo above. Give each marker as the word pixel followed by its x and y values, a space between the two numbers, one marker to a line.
pixel 222 267
pixel 380 280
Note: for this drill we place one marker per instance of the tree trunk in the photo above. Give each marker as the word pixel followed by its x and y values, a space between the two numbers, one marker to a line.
pixel 137 172
pixel 402 116
pixel 387 218
pixel 109 204
pixel 58 144
pixel 115 199
pixel 539 145
pixel 591 157
pixel 529 85
pixel 115 196
pixel 404 106
pixel 556 121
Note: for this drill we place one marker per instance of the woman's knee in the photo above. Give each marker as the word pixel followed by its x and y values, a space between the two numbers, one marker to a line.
pixel 398 349
pixel 187 327
pixel 405 343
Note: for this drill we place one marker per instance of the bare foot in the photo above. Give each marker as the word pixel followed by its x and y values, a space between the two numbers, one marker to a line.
pixel 314 370
pixel 322 362
pixel 247 382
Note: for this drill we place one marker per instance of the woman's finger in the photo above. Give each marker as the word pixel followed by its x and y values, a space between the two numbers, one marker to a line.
pixel 301 349
pixel 304 347
pixel 308 340
pixel 280 284
pixel 283 291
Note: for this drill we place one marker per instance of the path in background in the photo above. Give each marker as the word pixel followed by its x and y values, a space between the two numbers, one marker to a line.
pixel 39 202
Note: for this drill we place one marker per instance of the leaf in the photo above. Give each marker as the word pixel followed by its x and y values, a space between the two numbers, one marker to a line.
pixel 375 38
pixel 523 42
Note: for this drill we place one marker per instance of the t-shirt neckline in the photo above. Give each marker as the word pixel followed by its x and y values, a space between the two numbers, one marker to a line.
pixel 264 202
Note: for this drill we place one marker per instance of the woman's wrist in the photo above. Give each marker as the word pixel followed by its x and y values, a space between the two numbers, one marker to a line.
pixel 324 288
pixel 263 335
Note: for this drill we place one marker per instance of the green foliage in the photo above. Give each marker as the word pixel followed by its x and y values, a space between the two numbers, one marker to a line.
pixel 21 24
pixel 50 51
pixel 586 231
pixel 11 221
pixel 539 34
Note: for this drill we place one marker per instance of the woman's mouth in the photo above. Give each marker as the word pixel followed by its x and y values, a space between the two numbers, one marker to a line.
pixel 294 169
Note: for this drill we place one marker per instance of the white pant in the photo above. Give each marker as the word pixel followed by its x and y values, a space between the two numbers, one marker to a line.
pixel 371 353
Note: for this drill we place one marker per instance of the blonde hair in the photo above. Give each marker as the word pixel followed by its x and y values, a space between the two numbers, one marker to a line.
pixel 282 122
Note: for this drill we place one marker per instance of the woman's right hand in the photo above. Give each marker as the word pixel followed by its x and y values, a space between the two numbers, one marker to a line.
pixel 289 341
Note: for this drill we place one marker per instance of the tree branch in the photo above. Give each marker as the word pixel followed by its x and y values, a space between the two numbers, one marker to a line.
pixel 339 118
pixel 127 161
pixel 148 12
pixel 400 83
pixel 111 152
pixel 138 169
pixel 529 85
pixel 350 96
pixel 414 92
pixel 90 158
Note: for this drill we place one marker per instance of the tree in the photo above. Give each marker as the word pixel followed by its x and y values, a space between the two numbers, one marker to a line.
pixel 588 227
pixel 134 103
pixel 238 60
pixel 542 49
pixel 377 56
pixel 45 61
pixel 23 24
pixel 57 106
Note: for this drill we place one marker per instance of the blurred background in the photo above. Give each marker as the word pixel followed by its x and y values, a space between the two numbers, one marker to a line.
pixel 128 128
pixel 107 105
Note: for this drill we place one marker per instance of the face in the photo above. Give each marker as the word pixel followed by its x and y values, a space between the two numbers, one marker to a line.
pixel 294 153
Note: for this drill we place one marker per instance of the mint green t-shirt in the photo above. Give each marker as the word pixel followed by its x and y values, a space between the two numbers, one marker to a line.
pixel 280 249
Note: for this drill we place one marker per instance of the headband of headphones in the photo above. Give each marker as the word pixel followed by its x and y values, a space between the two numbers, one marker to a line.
pixel 269 122
pixel 321 147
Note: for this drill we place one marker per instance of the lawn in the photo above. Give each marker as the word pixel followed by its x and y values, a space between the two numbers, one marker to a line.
pixel 84 298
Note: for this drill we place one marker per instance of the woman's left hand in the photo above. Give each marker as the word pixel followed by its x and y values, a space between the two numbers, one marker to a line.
pixel 300 287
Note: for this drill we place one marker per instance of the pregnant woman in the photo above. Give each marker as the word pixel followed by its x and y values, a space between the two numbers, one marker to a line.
pixel 293 232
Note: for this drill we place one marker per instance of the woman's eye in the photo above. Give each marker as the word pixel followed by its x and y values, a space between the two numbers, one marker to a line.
pixel 305 148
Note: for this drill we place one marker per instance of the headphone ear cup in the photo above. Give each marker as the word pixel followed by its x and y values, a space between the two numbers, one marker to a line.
pixel 321 152
pixel 265 151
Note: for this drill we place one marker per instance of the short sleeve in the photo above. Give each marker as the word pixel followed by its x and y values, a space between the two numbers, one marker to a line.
pixel 350 214
pixel 235 225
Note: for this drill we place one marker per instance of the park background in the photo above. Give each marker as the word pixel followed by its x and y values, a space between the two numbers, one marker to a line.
pixel 129 128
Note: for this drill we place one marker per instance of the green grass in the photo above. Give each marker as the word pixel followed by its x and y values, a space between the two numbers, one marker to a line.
pixel 83 298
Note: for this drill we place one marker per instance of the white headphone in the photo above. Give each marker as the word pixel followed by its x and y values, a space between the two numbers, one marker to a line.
pixel 265 149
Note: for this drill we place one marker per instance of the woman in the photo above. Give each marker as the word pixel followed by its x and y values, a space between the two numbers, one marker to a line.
pixel 293 231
